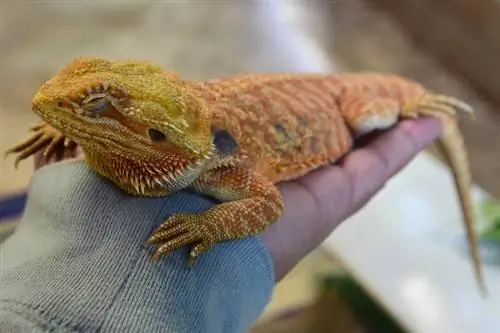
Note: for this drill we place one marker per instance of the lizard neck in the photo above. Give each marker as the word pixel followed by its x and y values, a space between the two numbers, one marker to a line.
pixel 145 176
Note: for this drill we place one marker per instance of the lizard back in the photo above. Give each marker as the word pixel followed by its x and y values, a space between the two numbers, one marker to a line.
pixel 285 124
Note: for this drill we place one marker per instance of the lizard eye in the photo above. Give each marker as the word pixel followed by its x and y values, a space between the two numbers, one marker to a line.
pixel 97 105
pixel 156 136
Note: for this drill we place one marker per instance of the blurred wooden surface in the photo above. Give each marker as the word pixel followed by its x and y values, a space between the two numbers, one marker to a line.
pixel 461 34
pixel 449 46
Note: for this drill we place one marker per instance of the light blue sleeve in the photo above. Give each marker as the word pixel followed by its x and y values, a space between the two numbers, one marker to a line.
pixel 75 264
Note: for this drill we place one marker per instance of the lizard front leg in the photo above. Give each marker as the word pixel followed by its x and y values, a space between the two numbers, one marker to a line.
pixel 250 204
pixel 43 136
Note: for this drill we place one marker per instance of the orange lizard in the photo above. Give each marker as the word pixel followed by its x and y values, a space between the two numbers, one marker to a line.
pixel 153 133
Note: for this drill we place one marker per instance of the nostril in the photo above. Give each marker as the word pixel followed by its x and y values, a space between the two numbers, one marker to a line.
pixel 155 135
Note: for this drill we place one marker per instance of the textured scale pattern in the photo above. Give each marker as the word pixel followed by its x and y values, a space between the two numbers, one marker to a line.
pixel 153 133
pixel 278 120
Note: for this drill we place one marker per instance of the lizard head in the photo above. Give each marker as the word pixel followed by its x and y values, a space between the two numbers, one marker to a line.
pixel 140 126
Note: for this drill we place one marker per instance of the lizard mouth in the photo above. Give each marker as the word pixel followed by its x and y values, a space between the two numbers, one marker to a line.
pixel 131 162
pixel 81 131
pixel 66 128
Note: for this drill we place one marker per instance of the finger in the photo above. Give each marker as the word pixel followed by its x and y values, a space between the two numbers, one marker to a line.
pixel 338 190
pixel 364 140
pixel 398 146
pixel 313 208
pixel 370 167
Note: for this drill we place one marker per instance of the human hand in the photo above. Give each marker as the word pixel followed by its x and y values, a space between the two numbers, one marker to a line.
pixel 318 202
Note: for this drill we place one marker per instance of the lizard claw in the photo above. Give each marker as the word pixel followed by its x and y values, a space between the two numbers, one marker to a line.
pixel 44 138
pixel 434 104
pixel 180 230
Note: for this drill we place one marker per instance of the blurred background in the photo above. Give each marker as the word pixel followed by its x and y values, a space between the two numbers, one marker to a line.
pixel 449 45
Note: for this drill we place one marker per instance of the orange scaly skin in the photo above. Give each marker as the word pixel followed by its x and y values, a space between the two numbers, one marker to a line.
pixel 153 133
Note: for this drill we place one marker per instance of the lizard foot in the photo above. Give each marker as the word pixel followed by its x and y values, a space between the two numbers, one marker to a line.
pixel 44 136
pixel 184 229
pixel 250 204
pixel 435 104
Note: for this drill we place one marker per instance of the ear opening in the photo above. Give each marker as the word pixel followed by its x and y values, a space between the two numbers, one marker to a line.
pixel 224 142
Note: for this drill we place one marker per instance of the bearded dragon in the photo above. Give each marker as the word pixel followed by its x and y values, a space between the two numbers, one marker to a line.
pixel 153 133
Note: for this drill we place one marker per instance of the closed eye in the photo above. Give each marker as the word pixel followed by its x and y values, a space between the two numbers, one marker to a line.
pixel 97 105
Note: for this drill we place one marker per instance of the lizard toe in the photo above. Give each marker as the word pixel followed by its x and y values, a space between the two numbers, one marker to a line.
pixel 174 220
pixel 181 230
pixel 198 250
pixel 168 233
pixel 173 244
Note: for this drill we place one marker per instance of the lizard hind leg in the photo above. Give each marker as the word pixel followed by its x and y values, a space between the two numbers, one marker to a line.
pixel 365 114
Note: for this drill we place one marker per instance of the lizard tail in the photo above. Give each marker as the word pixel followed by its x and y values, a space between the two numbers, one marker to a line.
pixel 451 145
